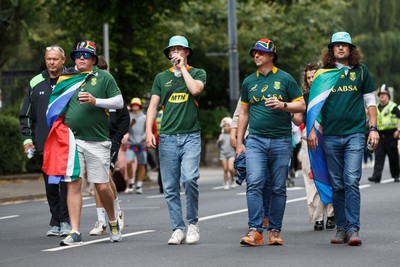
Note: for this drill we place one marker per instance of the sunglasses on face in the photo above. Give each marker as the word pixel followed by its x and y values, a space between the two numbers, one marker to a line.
pixel 260 53
pixel 85 55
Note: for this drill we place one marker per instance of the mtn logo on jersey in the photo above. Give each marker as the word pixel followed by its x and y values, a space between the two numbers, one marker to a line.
pixel 178 98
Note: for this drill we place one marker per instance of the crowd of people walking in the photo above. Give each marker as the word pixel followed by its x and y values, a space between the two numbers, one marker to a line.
pixel 83 130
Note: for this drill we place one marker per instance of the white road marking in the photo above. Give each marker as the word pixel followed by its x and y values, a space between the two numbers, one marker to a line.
pixel 242 210
pixel 9 217
pixel 97 241
pixel 387 181
pixel 89 205
pixel 221 215
pixel 161 195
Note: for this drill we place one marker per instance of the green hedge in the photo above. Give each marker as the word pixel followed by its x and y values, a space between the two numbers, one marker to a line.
pixel 12 157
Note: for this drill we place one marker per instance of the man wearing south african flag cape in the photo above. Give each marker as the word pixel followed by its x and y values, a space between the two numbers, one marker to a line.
pixel 78 145
pixel 336 131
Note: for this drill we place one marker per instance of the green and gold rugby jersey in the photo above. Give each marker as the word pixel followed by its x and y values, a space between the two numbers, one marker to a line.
pixel 256 88
pixel 181 113
pixel 343 112
pixel 89 122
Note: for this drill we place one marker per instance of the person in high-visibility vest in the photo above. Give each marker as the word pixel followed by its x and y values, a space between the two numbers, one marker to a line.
pixel 388 116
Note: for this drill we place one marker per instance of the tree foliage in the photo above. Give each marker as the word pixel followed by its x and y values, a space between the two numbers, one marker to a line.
pixel 139 31
pixel 376 30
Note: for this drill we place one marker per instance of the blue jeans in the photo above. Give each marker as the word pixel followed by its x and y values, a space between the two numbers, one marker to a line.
pixel 179 163
pixel 267 161
pixel 344 156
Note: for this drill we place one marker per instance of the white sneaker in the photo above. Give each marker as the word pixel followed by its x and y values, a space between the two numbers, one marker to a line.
pixel 177 238
pixel 139 190
pixel 99 228
pixel 115 231
pixel 226 186
pixel 121 219
pixel 193 234
pixel 233 184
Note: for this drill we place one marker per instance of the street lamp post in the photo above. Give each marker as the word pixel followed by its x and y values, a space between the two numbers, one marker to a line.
pixel 233 56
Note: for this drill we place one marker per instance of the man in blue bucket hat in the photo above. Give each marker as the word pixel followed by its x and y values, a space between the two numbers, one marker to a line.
pixel 343 120
pixel 178 90
pixel 268 97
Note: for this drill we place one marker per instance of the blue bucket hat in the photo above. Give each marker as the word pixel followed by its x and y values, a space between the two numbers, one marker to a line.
pixel 177 40
pixel 265 45
pixel 341 37
pixel 85 46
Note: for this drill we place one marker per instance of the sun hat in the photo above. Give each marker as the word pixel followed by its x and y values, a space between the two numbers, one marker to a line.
pixel 341 37
pixel 136 101
pixel 178 40
pixel 265 45
pixel 226 120
pixel 85 46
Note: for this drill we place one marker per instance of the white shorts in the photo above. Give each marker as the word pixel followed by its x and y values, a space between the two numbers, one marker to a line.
pixel 94 160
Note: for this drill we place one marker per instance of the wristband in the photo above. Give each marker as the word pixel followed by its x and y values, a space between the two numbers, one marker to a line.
pixel 373 128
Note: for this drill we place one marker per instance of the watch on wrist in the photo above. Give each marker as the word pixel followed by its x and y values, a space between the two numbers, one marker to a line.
pixel 284 105
pixel 373 128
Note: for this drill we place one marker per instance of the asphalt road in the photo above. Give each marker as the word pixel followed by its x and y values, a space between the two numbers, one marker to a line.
pixel 223 221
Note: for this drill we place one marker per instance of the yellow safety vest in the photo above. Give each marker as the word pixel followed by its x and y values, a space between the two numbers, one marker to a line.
pixel 387 120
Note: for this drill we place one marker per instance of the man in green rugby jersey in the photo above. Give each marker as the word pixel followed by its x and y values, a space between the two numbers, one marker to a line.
pixel 269 96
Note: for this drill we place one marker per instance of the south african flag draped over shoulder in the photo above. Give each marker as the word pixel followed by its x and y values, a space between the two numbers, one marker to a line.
pixel 323 82
pixel 60 156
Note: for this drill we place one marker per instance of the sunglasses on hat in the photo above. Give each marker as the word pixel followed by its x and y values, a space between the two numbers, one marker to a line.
pixel 80 54
pixel 55 48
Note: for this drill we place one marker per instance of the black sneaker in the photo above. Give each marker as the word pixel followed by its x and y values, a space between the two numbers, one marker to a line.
pixel 330 223
pixel 374 179
pixel 353 238
pixel 396 180
pixel 319 226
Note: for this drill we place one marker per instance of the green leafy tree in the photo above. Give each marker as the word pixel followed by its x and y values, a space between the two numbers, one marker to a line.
pixel 374 27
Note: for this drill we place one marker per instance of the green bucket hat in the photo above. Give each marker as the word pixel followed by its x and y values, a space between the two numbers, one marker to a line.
pixel 341 37
pixel 178 40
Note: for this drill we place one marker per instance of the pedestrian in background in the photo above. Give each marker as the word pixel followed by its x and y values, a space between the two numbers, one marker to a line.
pixel 34 130
pixel 268 97
pixel 119 126
pixel 227 152
pixel 136 149
pixel 388 119
pixel 177 90
pixel 316 209
pixel 343 119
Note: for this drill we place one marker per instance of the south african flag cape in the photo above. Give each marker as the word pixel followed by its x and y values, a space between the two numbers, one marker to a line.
pixel 323 82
